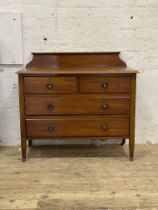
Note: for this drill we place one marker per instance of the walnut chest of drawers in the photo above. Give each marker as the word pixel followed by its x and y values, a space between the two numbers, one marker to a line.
pixel 70 95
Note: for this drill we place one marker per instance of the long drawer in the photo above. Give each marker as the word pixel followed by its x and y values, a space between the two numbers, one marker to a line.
pixel 74 105
pixel 104 84
pixel 77 126
pixel 51 85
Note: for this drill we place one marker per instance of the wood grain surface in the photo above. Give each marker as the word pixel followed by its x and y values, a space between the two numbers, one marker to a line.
pixel 104 84
pixel 55 97
pixel 50 85
pixel 77 126
pixel 79 178
pixel 82 59
pixel 74 105
pixel 77 71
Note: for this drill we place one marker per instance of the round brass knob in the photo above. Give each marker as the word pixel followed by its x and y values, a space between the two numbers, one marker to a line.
pixel 50 86
pixel 103 127
pixel 50 107
pixel 104 106
pixel 50 128
pixel 105 85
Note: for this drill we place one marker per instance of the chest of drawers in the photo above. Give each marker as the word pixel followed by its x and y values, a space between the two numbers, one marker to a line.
pixel 70 95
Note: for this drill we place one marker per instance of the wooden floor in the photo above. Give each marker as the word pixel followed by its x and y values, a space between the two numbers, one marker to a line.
pixel 79 178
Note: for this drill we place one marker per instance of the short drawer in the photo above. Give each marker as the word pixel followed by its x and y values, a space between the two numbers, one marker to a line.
pixel 73 105
pixel 50 85
pixel 77 126
pixel 105 84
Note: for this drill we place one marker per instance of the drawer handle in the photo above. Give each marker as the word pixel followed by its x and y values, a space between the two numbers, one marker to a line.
pixel 50 107
pixel 104 127
pixel 104 106
pixel 50 86
pixel 105 85
pixel 50 128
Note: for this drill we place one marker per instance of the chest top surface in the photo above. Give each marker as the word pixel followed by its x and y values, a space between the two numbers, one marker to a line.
pixel 76 64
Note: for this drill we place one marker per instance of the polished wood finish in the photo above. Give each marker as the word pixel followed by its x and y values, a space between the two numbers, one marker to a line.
pixel 66 95
pixel 68 60
pixel 105 84
pixel 50 85
pixel 78 126
pixel 77 71
pixel 22 117
pixel 132 117
pixel 74 105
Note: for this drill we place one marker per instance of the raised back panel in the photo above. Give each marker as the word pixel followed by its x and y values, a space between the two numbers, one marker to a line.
pixel 69 60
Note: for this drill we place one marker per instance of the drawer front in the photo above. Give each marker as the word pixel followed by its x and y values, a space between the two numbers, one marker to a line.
pixel 105 84
pixel 50 85
pixel 77 126
pixel 71 105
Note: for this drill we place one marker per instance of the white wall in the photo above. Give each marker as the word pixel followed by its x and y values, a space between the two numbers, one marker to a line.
pixel 11 51
pixel 129 26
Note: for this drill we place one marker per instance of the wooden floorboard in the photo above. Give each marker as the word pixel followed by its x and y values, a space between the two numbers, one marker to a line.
pixel 79 178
